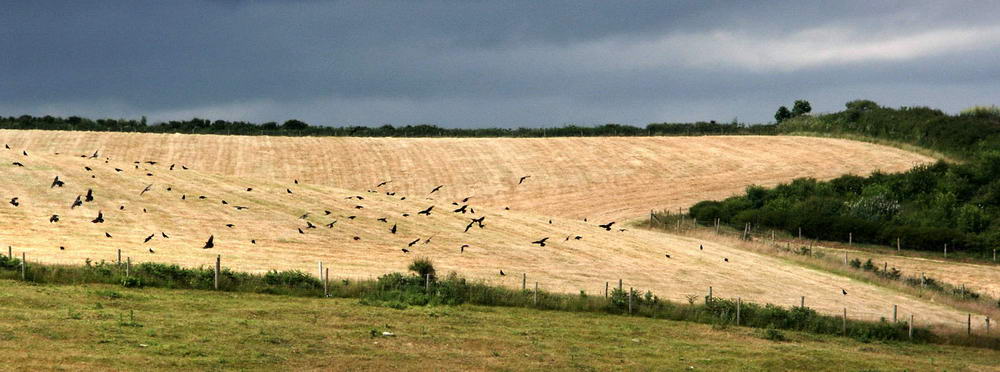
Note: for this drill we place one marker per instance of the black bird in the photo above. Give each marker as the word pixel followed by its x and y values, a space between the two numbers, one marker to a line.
pixel 330 225
pixel 54 218
pixel 701 247
pixel 225 202
pixel 668 255
pixel 164 235
pixel 229 225
pixel 94 156
pixel 25 152
pixel 170 189
pixel 501 273
pixel 144 210
pixel 844 291
pixel 326 213
pixel 469 226
pixel 6 146
pixel 184 168
pixel 406 215
pixel 121 207
pixel 184 196
pixel 462 248
pixel 405 250
pixel 550 222
pixel 466 199
pixel 725 259
pixel 14 202
pixel 172 166
pixel 522 179
pixel 90 196
pixel 288 191
pixel 57 182
pixel 88 169
pixel 18 164
pixel 151 250
pixel 107 235
pixel 119 170
pixel 383 220
pixel 239 208
pixel 359 207
pixel 61 248
pixel 461 209
pixel 151 162
pixel 393 229
pixel 100 217
pixel 541 242
pixel 383 183
pixel 479 221
pixel 304 216
pixel 415 241
pixel 426 211
pixel 210 243
pixel 296 182
pixel 146 189
pixel 309 225
pixel 356 238
pixel 506 208
pixel 300 231
pixel 202 197
pixel 436 189
pixel 577 237
pixel 607 226
pixel 351 217
pixel 76 203
pixel 249 189
pixel 148 238
pixel 253 241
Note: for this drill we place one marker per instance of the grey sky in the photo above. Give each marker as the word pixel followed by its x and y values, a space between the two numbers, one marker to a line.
pixel 500 63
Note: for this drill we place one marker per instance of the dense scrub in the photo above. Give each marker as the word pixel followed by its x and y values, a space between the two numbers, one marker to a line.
pixel 926 207
pixel 299 128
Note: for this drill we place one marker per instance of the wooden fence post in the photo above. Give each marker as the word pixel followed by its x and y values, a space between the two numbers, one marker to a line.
pixel 524 281
pixel 802 301
pixel 24 267
pixel 128 266
pixel 606 286
pixel 911 326
pixel 319 269
pixel 619 284
pixel 717 233
pixel 894 308
pixel 945 250
pixel 897 245
pixel 629 300
pixel 739 303
pixel 427 284
pixel 800 233
pixel 536 293
pixel 845 259
pixel 968 325
pixel 843 326
pixel 218 267
pixel 850 238
pixel 10 252
pixel 326 283
pixel 709 292
pixel 119 258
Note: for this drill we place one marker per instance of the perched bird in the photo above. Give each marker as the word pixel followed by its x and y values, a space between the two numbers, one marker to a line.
pixel 436 189
pixel 607 226
pixel 107 235
pixel 725 259
pixel 225 202
pixel 172 166
pixel 61 248
pixel 184 168
pixel 148 238
pixel 54 218
pixel 151 250
pixel 393 229
pixel 356 238
pixel 253 241
pixel 183 197
pixel 522 179
pixel 844 291
pixel 296 182
pixel 57 182
pixel 701 247
pixel 426 211
pixel 668 255
pixel 301 232
pixel 288 191
pixel 100 217
pixel 249 189
pixel 540 242
pixel 501 273
pixel 202 197
pixel 210 243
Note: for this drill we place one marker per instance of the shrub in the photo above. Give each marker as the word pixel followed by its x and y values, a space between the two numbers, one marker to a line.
pixel 773 335
pixel 423 267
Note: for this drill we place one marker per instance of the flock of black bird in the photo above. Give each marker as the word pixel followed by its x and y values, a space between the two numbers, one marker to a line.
pixel 462 207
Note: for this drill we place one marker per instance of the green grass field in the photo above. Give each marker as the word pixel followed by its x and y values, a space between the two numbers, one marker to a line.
pixel 90 327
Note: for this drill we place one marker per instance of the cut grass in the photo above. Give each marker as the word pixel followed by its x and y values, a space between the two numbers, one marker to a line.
pixel 89 327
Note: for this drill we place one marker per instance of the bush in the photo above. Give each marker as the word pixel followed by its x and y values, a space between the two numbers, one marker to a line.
pixel 773 335
pixel 423 267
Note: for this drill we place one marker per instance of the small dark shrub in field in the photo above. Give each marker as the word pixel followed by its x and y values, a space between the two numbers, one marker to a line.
pixel 773 335
pixel 423 267
pixel 856 263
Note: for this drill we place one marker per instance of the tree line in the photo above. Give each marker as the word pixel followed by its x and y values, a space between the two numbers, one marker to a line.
pixel 299 128
pixel 926 207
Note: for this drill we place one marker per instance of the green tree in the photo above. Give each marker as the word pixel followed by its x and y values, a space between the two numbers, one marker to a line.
pixel 801 107
pixel 782 114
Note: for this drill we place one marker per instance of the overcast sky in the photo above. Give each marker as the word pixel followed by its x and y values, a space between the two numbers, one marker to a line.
pixel 496 63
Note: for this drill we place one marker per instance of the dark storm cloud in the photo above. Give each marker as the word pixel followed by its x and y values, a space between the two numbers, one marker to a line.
pixel 467 63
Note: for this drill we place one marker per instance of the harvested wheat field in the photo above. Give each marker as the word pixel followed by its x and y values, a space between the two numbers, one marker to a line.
pixel 177 221
pixel 605 177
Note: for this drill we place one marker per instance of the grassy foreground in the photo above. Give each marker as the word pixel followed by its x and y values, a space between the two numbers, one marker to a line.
pixel 90 327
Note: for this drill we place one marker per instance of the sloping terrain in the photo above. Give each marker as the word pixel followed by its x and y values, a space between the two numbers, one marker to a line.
pixel 266 235
pixel 580 177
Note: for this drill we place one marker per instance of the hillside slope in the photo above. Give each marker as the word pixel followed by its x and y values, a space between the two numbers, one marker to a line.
pixel 365 247
pixel 605 178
